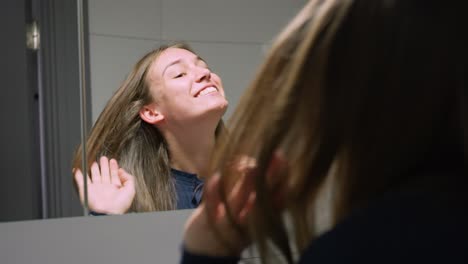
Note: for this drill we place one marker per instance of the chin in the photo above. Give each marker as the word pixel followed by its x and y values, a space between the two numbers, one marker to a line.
pixel 218 108
pixel 223 107
pixel 219 103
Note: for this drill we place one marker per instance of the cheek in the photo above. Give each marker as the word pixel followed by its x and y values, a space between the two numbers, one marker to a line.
pixel 175 87
pixel 176 95
pixel 217 80
pixel 175 107
pixel 157 91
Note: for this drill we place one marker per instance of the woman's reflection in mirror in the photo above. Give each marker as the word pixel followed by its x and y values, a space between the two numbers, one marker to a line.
pixel 150 147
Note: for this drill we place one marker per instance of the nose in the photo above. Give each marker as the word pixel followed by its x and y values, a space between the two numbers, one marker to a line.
pixel 203 74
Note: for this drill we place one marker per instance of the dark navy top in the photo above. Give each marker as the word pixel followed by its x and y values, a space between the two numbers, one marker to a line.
pixel 414 225
pixel 189 189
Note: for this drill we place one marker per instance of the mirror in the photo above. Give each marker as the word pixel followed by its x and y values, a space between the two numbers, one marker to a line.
pixel 231 36
pixel 38 146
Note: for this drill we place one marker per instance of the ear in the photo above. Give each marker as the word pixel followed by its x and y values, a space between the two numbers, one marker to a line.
pixel 151 115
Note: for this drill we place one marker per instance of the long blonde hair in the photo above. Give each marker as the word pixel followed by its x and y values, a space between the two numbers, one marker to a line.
pixel 139 147
pixel 367 92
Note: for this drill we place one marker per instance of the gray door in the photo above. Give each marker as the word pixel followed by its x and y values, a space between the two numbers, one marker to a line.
pixel 19 153
pixel 39 110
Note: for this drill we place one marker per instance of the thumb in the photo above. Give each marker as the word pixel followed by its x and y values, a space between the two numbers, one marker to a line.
pixel 127 179
pixel 127 193
pixel 78 175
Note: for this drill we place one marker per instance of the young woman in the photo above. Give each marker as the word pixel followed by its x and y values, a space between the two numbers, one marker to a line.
pixel 160 127
pixel 370 97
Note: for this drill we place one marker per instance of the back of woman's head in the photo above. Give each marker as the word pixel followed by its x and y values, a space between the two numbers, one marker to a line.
pixel 371 92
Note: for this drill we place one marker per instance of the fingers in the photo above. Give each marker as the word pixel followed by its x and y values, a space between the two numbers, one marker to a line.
pixel 241 193
pixel 240 199
pixel 114 173
pixel 230 218
pixel 231 235
pixel 212 198
pixel 248 207
pixel 245 163
pixel 95 173
pixel 278 165
pixel 105 172
pixel 276 180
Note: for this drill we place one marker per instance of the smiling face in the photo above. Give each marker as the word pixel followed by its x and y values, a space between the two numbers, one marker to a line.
pixel 184 88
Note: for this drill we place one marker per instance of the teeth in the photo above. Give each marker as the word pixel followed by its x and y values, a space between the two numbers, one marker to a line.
pixel 208 90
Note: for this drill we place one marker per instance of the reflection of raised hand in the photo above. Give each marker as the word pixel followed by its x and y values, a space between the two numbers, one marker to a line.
pixel 110 189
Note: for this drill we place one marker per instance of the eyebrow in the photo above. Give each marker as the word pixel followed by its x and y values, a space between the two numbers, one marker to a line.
pixel 198 58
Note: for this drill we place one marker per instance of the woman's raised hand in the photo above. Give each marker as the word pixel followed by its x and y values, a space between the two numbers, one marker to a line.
pixel 209 231
pixel 110 189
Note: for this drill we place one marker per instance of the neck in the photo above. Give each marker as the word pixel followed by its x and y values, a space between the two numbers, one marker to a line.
pixel 190 146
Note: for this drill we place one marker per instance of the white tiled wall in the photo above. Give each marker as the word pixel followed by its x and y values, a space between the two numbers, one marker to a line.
pixel 111 59
pixel 229 34
pixel 125 18
pixel 245 21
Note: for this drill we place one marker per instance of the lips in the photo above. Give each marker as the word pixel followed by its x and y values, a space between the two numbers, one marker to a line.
pixel 206 90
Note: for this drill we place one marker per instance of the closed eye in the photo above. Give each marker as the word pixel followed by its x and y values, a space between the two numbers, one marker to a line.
pixel 179 75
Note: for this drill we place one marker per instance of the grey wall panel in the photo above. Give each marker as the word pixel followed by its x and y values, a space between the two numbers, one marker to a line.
pixel 134 238
pixel 243 21
pixel 136 18
pixel 112 58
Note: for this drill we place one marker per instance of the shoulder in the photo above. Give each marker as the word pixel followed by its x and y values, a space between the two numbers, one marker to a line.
pixel 398 229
